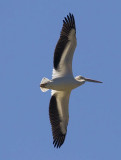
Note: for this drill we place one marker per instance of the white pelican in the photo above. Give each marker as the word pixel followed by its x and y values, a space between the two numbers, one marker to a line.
pixel 62 81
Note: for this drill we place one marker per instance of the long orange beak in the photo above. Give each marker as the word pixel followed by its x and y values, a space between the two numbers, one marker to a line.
pixel 91 80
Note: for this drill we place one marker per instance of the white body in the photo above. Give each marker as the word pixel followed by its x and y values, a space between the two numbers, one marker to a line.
pixel 63 84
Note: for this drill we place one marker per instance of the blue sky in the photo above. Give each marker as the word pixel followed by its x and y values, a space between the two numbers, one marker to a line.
pixel 29 31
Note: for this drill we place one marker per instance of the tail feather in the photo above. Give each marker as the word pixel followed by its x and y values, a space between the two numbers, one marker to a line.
pixel 43 83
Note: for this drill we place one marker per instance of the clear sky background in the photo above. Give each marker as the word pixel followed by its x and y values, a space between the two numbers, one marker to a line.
pixel 29 30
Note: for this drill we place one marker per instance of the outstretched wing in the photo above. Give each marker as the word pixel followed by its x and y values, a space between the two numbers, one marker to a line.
pixel 65 48
pixel 58 113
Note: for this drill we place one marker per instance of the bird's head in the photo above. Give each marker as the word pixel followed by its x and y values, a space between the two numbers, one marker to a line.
pixel 83 79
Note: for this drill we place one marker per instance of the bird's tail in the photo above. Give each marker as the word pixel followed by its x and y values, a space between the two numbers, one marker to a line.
pixel 43 83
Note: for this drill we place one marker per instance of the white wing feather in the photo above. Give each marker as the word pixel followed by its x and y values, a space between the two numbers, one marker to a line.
pixel 62 99
pixel 65 65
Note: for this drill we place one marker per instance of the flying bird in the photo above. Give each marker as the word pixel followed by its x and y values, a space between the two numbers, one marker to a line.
pixel 63 81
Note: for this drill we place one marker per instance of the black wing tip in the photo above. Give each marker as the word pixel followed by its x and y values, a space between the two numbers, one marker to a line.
pixel 69 20
pixel 57 142
pixel 70 16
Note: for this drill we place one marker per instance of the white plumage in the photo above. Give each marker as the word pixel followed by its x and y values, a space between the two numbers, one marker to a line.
pixel 62 81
